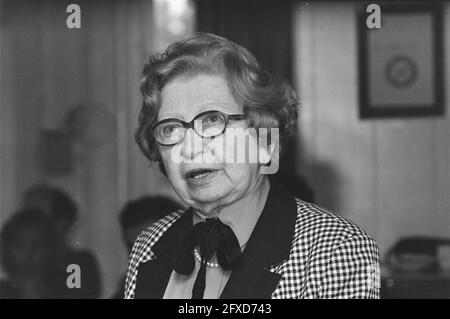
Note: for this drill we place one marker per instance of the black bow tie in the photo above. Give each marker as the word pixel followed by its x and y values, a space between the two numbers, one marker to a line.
pixel 211 236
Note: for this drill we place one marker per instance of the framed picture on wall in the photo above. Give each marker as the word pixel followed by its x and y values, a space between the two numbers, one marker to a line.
pixel 401 67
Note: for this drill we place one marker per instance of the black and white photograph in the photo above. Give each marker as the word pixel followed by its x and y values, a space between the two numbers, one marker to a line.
pixel 240 150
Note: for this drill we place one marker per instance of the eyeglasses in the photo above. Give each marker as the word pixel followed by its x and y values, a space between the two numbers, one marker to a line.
pixel 207 124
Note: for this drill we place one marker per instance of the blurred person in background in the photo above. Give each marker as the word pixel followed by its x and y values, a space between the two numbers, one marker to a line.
pixel 138 215
pixel 60 208
pixel 30 248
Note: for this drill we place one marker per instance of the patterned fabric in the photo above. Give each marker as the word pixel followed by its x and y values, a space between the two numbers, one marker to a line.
pixel 330 257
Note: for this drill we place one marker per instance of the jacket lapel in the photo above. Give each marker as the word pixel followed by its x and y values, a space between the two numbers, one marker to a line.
pixel 269 245
pixel 153 275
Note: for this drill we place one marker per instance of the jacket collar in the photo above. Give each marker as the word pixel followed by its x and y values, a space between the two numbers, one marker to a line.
pixel 269 245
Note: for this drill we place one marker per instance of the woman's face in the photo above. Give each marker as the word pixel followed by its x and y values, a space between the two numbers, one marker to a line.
pixel 206 185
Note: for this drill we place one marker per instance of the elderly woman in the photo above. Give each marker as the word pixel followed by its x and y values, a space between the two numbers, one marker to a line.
pixel 242 235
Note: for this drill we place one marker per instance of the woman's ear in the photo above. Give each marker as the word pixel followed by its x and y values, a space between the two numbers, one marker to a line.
pixel 265 155
pixel 269 159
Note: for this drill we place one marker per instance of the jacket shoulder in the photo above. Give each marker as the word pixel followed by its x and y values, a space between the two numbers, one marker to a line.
pixel 320 225
pixel 142 248
pixel 148 237
pixel 331 254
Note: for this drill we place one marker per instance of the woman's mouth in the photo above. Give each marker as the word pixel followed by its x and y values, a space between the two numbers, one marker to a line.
pixel 200 175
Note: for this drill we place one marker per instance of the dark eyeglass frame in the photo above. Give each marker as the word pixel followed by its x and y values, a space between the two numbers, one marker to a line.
pixel 191 124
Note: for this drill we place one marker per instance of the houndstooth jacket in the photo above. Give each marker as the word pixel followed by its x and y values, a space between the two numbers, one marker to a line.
pixel 296 250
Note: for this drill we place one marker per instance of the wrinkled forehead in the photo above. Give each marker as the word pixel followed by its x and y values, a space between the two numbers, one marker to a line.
pixel 186 96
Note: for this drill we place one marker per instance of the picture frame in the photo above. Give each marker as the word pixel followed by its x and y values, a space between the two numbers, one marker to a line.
pixel 401 64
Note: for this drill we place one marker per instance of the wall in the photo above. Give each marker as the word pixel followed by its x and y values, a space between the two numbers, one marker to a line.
pixel 392 177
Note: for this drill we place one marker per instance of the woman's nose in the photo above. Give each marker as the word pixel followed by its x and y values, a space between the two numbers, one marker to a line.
pixel 192 145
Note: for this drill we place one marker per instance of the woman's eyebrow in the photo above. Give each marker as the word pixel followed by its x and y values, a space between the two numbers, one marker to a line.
pixel 210 106
pixel 215 106
pixel 177 116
